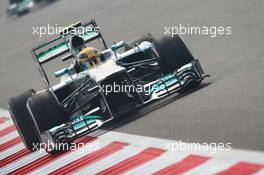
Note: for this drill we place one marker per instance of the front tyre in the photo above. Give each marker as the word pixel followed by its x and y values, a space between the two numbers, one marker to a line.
pixel 23 121
pixel 173 53
pixel 47 112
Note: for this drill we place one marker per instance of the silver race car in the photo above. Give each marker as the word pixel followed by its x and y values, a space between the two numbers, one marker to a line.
pixel 97 86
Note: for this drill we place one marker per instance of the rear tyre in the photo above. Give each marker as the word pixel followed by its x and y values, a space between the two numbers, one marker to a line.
pixel 23 121
pixel 173 53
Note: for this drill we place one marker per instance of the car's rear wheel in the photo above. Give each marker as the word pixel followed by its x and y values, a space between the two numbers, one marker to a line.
pixel 23 121
pixel 173 53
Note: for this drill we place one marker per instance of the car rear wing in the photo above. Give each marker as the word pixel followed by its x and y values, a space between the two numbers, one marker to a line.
pixel 59 46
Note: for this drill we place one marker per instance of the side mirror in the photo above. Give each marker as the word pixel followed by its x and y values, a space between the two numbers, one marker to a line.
pixel 118 45
pixel 61 72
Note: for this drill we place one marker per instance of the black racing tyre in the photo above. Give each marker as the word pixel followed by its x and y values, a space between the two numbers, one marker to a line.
pixel 22 119
pixel 173 53
pixel 46 110
pixel 135 42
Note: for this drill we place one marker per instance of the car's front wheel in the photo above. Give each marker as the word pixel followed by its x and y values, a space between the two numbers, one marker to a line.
pixel 23 121
pixel 46 111
pixel 173 53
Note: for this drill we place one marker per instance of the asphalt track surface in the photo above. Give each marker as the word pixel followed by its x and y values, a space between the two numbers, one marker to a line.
pixel 229 105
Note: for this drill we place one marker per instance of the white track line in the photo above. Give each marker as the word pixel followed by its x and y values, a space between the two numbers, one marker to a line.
pixel 157 164
pixel 234 154
pixel 8 137
pixel 71 157
pixel 218 161
pixel 21 162
pixel 6 124
pixel 109 161
pixel 4 113
pixel 211 167
pixel 12 150
pixel 261 172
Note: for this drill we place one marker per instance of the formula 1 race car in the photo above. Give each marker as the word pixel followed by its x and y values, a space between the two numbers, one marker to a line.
pixel 122 78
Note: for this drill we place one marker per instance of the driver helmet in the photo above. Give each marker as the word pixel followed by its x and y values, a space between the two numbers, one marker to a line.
pixel 89 57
